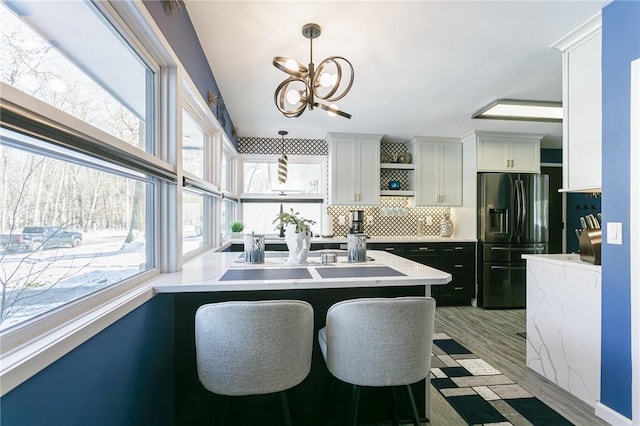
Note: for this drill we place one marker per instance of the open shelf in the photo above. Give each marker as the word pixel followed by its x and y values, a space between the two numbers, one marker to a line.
pixel 396 193
pixel 398 166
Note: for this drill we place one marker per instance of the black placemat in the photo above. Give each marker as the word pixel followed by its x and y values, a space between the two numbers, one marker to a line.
pixel 266 274
pixel 359 271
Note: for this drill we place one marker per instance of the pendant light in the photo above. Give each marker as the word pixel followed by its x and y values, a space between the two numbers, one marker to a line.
pixel 282 160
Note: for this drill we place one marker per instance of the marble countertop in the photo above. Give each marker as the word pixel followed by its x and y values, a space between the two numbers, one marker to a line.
pixel 570 260
pixel 273 239
pixel 207 273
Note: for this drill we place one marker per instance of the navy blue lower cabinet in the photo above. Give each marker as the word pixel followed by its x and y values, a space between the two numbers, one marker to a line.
pixel 194 405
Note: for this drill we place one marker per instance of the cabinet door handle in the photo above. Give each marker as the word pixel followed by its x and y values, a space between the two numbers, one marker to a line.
pixel 458 288
pixel 389 248
pixel 426 249
pixel 458 266
pixel 458 248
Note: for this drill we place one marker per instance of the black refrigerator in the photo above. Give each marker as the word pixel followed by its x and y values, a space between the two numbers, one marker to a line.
pixel 513 219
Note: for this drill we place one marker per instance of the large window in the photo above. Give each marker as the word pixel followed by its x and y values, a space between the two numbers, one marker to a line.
pixel 48 51
pixel 193 223
pixel 304 177
pixel 68 229
pixel 200 151
pixel 263 196
pixel 194 142
pixel 79 183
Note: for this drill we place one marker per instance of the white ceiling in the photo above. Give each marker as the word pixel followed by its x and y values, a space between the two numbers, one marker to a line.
pixel 421 67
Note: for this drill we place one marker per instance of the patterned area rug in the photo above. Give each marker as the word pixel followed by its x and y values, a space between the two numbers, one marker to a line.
pixel 481 394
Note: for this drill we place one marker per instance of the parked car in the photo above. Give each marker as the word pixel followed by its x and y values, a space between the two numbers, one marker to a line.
pixel 13 242
pixel 50 236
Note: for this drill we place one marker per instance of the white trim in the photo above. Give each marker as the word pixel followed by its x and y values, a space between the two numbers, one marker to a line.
pixel 590 28
pixel 634 238
pixel 610 416
pixel 49 113
pixel 25 362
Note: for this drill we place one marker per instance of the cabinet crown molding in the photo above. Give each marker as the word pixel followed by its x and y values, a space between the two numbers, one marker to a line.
pixel 371 136
pixel 510 135
pixel 584 31
pixel 434 139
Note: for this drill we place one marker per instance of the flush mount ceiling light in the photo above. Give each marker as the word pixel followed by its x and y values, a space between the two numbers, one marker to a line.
pixel 307 84
pixel 509 109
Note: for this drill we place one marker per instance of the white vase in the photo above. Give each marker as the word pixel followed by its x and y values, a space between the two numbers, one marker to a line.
pixel 298 244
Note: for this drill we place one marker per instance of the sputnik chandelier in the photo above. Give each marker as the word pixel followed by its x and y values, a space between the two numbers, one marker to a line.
pixel 306 85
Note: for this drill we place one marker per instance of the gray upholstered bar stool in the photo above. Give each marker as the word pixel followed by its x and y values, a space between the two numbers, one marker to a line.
pixel 379 342
pixel 254 348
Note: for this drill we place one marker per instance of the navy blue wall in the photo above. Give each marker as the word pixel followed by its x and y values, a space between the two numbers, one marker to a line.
pixel 551 155
pixel 178 30
pixel 620 46
pixel 122 376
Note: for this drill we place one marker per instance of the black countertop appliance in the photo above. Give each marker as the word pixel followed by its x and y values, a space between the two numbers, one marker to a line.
pixel 357 222
pixel 513 219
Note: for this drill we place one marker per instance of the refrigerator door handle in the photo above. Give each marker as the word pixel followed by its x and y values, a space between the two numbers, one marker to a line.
pixel 523 207
pixel 518 205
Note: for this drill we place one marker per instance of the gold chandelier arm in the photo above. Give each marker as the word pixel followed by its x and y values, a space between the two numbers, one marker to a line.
pixel 280 62
pixel 280 94
pixel 329 97
pixel 332 110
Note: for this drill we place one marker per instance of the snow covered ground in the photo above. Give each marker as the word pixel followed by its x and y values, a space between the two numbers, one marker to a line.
pixel 34 283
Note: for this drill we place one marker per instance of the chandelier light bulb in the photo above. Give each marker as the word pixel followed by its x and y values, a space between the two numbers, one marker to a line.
pixel 332 111
pixel 291 64
pixel 327 79
pixel 293 96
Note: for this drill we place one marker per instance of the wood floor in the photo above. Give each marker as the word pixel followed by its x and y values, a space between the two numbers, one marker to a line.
pixel 492 335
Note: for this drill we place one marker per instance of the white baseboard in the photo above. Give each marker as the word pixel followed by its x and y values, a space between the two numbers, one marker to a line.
pixel 610 416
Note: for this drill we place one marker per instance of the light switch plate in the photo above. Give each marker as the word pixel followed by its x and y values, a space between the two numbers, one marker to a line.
pixel 614 233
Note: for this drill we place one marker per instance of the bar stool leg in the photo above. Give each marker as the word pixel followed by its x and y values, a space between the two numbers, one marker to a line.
pixel 353 410
pixel 285 408
pixel 394 407
pixel 416 418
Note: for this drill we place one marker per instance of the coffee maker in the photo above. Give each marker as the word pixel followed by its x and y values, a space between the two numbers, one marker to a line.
pixel 357 222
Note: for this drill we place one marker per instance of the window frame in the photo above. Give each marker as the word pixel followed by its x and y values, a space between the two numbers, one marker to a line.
pixel 208 185
pixel 33 345
pixel 320 197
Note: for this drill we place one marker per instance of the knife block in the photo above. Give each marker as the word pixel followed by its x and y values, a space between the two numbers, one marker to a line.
pixel 590 245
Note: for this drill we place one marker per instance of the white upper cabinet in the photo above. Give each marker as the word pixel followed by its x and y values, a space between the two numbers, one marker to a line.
pixel 354 169
pixel 582 106
pixel 438 171
pixel 508 152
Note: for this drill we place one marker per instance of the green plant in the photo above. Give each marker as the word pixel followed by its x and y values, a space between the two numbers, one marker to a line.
pixel 302 225
pixel 237 226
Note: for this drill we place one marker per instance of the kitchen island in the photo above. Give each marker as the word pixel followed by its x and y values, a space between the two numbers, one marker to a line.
pixel 222 276
pixel 563 322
